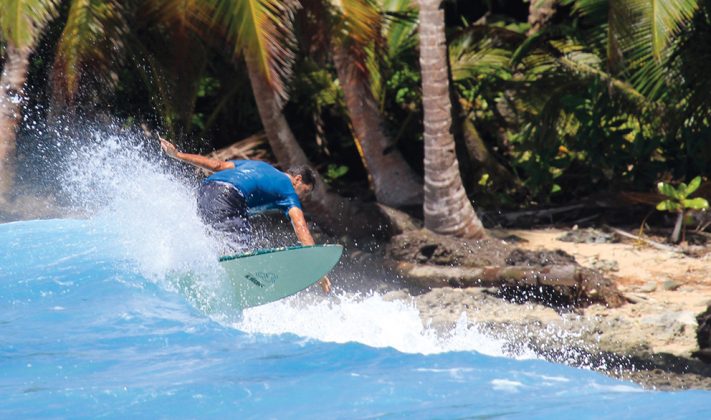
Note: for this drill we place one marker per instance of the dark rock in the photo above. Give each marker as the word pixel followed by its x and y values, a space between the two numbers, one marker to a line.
pixel 703 335
pixel 539 258
pixel 425 247
pixel 588 236
pixel 703 355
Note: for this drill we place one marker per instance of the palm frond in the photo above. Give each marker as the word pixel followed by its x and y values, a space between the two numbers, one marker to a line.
pixel 92 37
pixel 666 18
pixel 611 25
pixel 472 63
pixel 356 28
pixel 171 60
pixel 263 29
pixel 399 26
pixel 399 37
pixel 638 34
pixel 22 21
pixel 358 21
pixel 690 63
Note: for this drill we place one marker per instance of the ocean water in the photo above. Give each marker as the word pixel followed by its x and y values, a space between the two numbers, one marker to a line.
pixel 92 324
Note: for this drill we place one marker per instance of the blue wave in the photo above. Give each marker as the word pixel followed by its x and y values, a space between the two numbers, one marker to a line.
pixel 85 332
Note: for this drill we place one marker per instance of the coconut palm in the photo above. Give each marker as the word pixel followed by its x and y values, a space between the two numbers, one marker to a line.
pixel 354 29
pixel 447 209
pixel 261 31
pixel 21 24
pixel 400 33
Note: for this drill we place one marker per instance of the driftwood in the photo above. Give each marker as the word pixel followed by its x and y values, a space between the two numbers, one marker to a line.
pixel 568 284
pixel 649 242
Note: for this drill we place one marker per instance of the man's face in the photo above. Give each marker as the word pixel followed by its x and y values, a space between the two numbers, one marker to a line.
pixel 302 190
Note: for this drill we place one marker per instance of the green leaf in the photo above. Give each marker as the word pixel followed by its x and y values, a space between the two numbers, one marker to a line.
pixel 669 190
pixel 693 185
pixel 696 203
pixel 484 180
pixel 336 171
pixel 669 205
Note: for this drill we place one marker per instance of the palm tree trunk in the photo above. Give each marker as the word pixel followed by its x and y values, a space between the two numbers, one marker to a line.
pixel 447 209
pixel 12 83
pixel 281 139
pixel 328 208
pixel 394 182
pixel 540 13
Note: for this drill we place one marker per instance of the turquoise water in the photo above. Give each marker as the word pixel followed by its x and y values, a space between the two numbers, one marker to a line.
pixel 92 324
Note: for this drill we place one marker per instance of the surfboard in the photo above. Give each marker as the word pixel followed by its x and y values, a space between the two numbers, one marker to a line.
pixel 267 275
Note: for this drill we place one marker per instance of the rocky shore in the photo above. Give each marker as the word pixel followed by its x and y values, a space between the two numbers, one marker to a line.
pixel 652 336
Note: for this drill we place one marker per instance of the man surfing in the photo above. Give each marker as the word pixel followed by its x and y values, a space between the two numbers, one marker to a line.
pixel 240 187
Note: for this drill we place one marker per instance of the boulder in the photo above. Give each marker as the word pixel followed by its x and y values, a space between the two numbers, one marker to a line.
pixel 703 335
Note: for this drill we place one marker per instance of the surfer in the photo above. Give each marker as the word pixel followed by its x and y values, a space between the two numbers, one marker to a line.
pixel 240 187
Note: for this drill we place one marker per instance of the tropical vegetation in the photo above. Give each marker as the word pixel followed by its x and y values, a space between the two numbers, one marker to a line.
pixel 442 108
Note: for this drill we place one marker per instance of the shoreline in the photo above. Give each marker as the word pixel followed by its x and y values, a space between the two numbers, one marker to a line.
pixel 649 340
pixel 595 338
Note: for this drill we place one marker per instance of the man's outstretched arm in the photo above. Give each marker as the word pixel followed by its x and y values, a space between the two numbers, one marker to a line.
pixel 298 221
pixel 210 164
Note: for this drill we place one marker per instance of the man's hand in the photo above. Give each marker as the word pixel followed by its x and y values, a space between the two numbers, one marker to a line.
pixel 169 148
pixel 203 162
pixel 325 284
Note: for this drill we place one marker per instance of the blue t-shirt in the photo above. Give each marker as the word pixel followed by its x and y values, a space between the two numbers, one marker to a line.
pixel 263 186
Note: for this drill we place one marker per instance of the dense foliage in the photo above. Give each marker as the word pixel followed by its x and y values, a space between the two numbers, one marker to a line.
pixel 600 96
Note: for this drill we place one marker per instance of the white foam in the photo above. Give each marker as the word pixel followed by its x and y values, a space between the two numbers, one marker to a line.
pixel 132 197
pixel 369 320
pixel 506 385
pixel 617 388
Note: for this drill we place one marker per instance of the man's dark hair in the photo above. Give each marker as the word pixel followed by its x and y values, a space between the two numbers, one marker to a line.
pixel 307 174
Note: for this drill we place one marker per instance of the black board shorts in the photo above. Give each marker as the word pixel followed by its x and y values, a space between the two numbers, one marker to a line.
pixel 223 207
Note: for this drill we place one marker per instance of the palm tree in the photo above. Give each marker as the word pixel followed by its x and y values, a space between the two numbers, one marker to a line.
pixel 21 24
pixel 354 33
pixel 262 32
pixel 447 209
pixel 400 33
